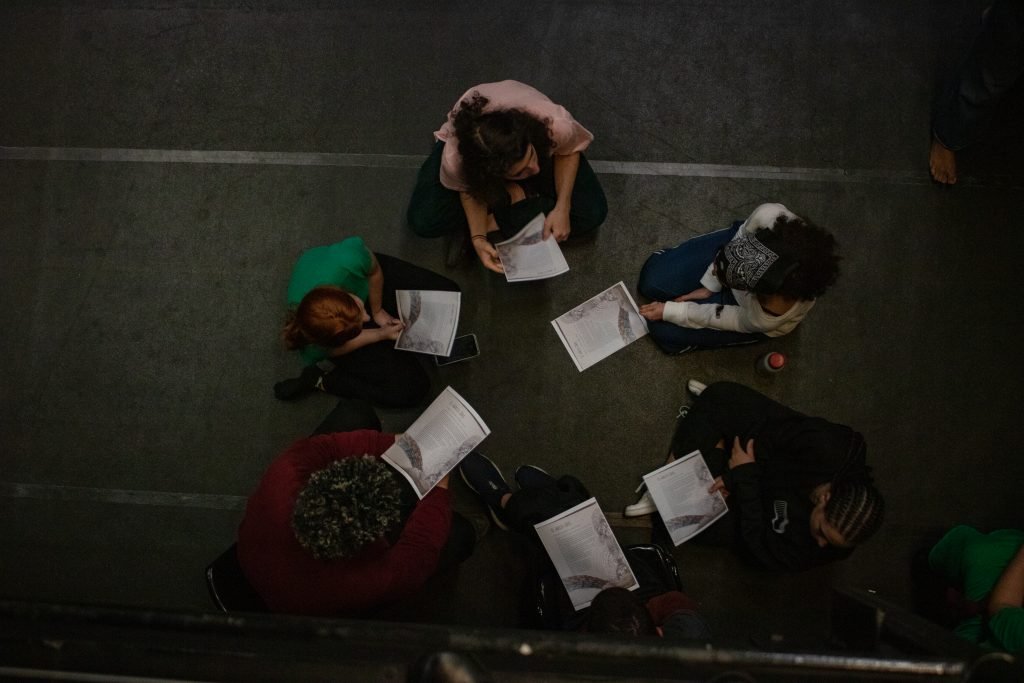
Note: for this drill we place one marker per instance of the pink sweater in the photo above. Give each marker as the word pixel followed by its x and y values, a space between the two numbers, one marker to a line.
pixel 567 135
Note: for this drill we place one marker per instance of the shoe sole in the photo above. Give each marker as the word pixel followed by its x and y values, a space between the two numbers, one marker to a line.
pixel 638 513
pixel 494 515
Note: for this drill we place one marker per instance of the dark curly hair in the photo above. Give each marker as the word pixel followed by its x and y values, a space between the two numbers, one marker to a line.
pixel 815 250
pixel 346 505
pixel 491 142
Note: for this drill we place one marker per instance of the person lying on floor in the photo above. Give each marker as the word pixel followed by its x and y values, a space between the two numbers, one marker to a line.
pixel 342 320
pixel 746 283
pixel 505 154
pixel 799 489
pixel 333 530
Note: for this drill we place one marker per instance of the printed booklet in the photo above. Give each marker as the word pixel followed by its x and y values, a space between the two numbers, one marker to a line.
pixel 528 256
pixel 435 443
pixel 680 491
pixel 430 318
pixel 600 326
pixel 585 553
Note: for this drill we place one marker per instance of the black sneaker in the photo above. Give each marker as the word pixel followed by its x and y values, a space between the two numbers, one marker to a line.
pixel 484 478
pixel 297 387
pixel 530 477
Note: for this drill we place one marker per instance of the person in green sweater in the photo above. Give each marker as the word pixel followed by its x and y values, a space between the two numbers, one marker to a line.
pixel 989 569
pixel 342 320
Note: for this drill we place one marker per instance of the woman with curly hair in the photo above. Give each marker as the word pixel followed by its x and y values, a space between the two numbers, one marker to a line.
pixel 754 280
pixel 333 530
pixel 505 154
pixel 341 319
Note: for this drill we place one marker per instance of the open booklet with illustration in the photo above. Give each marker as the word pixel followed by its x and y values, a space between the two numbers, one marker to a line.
pixel 528 256
pixel 680 491
pixel 430 317
pixel 585 553
pixel 435 443
pixel 600 326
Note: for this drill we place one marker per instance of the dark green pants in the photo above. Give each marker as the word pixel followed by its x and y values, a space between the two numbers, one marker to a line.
pixel 434 210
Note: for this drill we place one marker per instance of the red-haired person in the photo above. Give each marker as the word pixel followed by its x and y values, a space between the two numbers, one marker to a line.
pixel 341 319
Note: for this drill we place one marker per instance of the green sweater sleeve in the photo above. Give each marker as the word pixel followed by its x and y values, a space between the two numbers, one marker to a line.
pixel 1007 627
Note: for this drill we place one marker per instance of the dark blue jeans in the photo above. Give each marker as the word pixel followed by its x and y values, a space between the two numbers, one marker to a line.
pixel 994 64
pixel 675 271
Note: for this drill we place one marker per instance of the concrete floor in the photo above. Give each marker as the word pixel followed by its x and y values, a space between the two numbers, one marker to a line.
pixel 140 301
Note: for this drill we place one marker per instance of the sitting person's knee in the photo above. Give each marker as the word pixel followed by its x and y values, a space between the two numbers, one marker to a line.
pixel 586 219
pixel 424 223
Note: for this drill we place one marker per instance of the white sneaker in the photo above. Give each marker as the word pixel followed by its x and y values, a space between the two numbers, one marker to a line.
pixel 695 387
pixel 644 506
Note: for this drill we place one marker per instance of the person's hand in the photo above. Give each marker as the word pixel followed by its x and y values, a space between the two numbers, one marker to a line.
pixel 556 224
pixel 488 255
pixel 695 295
pixel 653 311
pixel 719 486
pixel 391 331
pixel 444 481
pixel 384 319
pixel 741 455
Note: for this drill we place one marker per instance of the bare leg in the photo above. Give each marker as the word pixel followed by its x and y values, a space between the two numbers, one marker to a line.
pixel 942 162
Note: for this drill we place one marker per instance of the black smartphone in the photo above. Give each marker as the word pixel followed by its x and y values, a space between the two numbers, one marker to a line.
pixel 462 348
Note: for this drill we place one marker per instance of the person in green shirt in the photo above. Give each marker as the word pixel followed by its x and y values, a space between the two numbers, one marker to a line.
pixel 989 569
pixel 342 320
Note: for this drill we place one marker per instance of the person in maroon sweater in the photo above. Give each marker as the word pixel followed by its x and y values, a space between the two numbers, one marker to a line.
pixel 392 567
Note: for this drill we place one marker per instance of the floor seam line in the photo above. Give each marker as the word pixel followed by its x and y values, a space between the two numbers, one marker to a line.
pixel 412 161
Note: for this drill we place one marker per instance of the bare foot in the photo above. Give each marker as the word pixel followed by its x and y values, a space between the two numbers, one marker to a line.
pixel 942 162
pixel 516 193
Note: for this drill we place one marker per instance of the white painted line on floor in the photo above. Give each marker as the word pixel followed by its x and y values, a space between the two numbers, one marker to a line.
pixel 412 161
pixel 121 496
pixel 19 673
pixel 197 156
pixel 206 501
pixel 828 175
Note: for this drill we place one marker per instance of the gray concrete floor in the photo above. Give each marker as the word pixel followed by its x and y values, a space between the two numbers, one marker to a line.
pixel 141 301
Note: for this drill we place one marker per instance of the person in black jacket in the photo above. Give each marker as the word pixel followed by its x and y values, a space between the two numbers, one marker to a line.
pixel 798 487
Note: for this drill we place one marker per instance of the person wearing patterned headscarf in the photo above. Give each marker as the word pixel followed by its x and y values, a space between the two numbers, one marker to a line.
pixel 754 280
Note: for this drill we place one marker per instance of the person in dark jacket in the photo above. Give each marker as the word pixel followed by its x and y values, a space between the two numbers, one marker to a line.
pixel 799 489
pixel 655 608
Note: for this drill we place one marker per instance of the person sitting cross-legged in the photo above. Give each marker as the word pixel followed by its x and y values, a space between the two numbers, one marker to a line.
pixel 505 154
pixel 754 280
pixel 655 608
pixel 799 489
pixel 333 530
pixel 342 303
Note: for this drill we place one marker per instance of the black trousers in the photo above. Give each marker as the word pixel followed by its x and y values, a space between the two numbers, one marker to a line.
pixel 353 414
pixel 377 372
pixel 725 409
pixel 434 210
